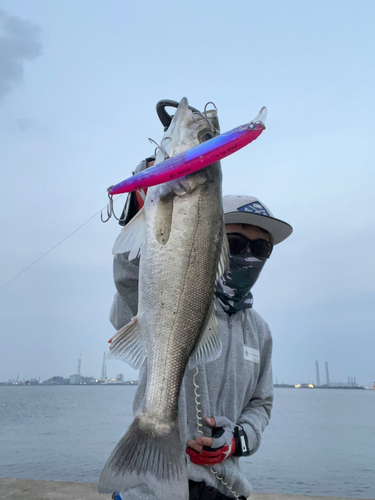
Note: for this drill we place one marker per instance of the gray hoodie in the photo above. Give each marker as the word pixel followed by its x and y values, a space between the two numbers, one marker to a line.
pixel 238 385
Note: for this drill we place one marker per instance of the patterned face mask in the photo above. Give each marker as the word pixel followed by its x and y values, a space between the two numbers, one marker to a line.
pixel 233 290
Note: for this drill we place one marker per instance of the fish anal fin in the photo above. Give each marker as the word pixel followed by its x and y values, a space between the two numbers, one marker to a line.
pixel 132 236
pixel 126 345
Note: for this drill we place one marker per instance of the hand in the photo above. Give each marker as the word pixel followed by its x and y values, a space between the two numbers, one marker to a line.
pixel 135 199
pixel 213 450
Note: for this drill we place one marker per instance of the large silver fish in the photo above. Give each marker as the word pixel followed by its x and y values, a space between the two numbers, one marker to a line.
pixel 183 248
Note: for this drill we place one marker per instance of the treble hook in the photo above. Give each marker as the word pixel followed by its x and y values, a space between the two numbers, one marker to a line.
pixel 110 210
pixel 109 215
pixel 209 102
pixel 166 155
pixel 206 119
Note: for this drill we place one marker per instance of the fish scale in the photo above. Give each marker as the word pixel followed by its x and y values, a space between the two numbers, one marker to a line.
pixel 194 303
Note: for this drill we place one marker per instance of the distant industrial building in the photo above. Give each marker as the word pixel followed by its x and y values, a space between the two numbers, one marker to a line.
pixel 79 380
pixel 351 384
pixel 75 379
pixel 56 381
pixel 119 380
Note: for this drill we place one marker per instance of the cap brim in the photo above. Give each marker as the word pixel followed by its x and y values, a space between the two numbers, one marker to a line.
pixel 279 229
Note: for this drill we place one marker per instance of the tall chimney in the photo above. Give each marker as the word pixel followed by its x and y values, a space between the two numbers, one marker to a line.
pixel 317 373
pixel 104 368
pixel 327 374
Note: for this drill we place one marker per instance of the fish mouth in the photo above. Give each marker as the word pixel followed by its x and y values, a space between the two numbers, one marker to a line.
pixel 182 110
pixel 187 129
pixel 164 116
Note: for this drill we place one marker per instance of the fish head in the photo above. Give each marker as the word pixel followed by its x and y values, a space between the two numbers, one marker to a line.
pixel 186 130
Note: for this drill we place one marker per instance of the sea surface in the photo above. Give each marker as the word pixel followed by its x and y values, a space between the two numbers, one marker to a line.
pixel 319 442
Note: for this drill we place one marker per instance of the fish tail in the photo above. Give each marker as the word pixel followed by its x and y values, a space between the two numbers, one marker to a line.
pixel 144 456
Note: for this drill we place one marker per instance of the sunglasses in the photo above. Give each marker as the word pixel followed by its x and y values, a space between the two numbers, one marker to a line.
pixel 238 243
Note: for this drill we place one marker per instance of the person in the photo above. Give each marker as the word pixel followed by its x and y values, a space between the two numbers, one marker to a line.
pixel 234 393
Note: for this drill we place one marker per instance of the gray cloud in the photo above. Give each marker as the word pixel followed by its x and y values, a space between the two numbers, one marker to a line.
pixel 19 42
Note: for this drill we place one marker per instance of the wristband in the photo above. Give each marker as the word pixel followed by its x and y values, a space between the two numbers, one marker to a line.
pixel 242 444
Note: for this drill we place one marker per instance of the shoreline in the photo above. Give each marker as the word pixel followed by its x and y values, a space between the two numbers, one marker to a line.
pixel 32 489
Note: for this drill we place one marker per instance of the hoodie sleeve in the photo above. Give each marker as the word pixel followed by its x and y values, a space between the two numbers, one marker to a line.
pixel 125 302
pixel 125 273
pixel 257 413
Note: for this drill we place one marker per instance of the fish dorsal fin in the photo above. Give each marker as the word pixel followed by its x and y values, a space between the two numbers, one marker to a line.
pixel 224 258
pixel 126 345
pixel 209 347
pixel 132 236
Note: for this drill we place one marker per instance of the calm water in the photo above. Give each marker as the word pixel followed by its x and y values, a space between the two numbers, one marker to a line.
pixel 319 442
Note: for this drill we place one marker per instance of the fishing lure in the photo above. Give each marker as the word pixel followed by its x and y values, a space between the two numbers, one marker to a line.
pixel 195 158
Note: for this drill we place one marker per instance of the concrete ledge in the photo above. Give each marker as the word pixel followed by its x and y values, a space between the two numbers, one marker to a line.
pixel 30 489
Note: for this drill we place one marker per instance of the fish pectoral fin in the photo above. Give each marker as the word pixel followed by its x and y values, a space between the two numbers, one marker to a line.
pixel 224 258
pixel 209 347
pixel 132 236
pixel 126 345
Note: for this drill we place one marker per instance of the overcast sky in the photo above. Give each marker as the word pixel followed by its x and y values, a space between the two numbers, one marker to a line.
pixel 78 86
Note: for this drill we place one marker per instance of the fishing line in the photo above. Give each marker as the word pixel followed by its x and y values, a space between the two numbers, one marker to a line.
pixel 55 246
pixel 199 419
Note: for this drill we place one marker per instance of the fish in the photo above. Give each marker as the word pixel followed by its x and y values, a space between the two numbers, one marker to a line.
pixel 180 237
pixel 214 149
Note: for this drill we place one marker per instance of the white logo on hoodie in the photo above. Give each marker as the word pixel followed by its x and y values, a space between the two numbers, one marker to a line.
pixel 251 354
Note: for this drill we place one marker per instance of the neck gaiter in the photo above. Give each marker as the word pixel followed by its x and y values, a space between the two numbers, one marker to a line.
pixel 233 289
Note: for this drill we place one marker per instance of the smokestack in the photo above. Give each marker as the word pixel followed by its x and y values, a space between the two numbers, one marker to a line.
pixel 327 374
pixel 317 373
pixel 104 368
pixel 348 380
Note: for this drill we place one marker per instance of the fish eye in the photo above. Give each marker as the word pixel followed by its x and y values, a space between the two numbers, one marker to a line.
pixel 205 135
